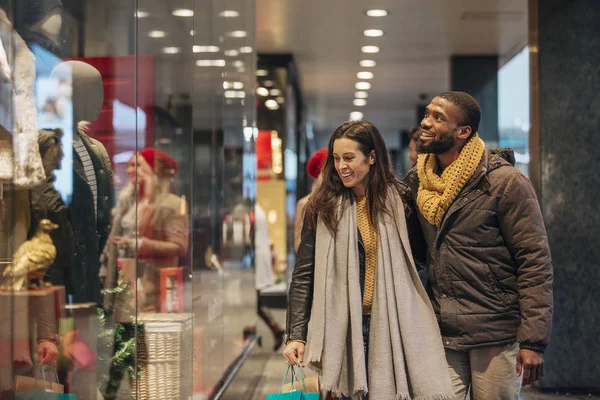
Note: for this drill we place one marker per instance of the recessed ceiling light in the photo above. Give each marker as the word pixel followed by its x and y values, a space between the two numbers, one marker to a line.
pixel 361 95
pixel 262 91
pixel 206 49
pixel 229 14
pixel 365 75
pixel 141 14
pixel 237 34
pixel 269 83
pixel 362 86
pixel 192 33
pixel 356 116
pixel 370 49
pixel 275 92
pixel 246 50
pixel 280 99
pixel 377 13
pixel 272 104
pixel 367 63
pixel 359 102
pixel 235 94
pixel 210 63
pixel 238 85
pixel 157 34
pixel 231 53
pixel 262 72
pixel 373 32
pixel 183 12
pixel 238 64
pixel 171 50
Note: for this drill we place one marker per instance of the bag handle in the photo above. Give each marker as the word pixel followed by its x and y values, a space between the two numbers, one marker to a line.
pixel 299 367
pixel 287 371
pixel 44 378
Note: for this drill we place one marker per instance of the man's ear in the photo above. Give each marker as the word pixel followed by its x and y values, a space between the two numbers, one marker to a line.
pixel 464 132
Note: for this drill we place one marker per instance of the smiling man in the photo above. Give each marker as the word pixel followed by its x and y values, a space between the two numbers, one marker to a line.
pixel 487 256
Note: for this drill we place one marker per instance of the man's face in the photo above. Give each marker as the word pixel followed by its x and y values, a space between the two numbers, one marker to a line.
pixel 439 127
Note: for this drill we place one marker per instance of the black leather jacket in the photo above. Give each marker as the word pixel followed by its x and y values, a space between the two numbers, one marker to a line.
pixel 300 294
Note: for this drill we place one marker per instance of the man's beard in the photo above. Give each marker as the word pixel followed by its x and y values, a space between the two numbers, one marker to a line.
pixel 439 146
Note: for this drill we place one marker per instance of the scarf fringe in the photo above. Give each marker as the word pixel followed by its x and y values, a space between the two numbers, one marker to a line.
pixel 358 395
pixel 447 396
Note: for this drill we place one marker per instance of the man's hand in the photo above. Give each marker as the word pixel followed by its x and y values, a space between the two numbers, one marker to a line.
pixel 47 352
pixel 530 364
pixel 294 352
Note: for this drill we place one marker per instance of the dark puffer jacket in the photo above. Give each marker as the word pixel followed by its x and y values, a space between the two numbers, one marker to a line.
pixel 489 265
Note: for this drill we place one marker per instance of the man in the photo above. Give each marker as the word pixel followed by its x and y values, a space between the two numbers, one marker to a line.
pixel 413 136
pixel 488 261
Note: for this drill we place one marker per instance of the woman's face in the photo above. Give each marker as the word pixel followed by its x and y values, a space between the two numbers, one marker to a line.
pixel 131 166
pixel 352 165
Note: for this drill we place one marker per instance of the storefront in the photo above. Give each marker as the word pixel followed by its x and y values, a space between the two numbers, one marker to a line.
pixel 128 180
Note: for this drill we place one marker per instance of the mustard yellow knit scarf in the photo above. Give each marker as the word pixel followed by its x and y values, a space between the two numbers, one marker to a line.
pixel 436 193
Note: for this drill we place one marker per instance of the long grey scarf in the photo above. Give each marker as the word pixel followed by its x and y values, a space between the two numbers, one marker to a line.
pixel 406 356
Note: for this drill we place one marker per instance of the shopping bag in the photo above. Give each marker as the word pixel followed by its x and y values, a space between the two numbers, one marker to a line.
pixel 27 388
pixel 311 384
pixel 294 394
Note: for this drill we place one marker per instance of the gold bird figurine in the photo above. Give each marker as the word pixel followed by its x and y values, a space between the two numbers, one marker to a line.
pixel 32 259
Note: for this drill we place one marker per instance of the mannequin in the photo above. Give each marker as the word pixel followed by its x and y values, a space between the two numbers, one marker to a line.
pixel 93 191
pixel 39 22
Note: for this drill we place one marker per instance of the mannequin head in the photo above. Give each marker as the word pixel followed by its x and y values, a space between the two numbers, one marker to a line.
pixel 88 92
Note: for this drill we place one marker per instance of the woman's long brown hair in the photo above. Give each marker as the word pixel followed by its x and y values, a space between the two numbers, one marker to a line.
pixel 323 203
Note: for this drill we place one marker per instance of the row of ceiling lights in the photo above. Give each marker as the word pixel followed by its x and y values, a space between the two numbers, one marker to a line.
pixel 362 86
pixel 187 13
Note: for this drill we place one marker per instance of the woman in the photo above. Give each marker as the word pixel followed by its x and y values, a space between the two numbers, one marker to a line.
pixel 372 328
pixel 149 223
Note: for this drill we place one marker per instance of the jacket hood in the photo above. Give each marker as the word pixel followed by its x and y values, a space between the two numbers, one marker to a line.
pixel 507 155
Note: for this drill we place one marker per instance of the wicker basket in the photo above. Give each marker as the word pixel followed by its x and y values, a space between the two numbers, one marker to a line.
pixel 164 357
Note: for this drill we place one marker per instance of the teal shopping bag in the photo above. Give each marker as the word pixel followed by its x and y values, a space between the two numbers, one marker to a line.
pixel 293 394
pixel 41 395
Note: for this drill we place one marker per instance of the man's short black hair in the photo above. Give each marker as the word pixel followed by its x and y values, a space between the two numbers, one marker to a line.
pixel 468 105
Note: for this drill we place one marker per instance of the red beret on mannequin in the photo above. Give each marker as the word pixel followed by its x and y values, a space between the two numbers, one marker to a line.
pixel 162 163
pixel 316 162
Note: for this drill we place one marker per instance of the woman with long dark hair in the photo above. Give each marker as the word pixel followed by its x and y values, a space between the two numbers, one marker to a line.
pixel 372 327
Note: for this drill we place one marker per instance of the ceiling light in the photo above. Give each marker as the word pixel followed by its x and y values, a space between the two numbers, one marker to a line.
pixel 362 86
pixel 157 34
pixel 229 14
pixel 365 75
pixel 171 50
pixel 183 12
pixel 246 50
pixel 361 95
pixel 231 53
pixel 359 102
pixel 206 49
pixel 141 14
pixel 237 34
pixel 210 63
pixel 262 91
pixel 235 94
pixel 373 32
pixel 356 116
pixel 238 64
pixel 268 83
pixel 369 49
pixel 238 85
pixel 192 33
pixel 272 104
pixel 280 99
pixel 377 13
pixel 227 85
pixel 262 72
pixel 275 92
pixel 367 63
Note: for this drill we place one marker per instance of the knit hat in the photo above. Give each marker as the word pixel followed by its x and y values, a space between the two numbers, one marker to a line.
pixel 33 11
pixel 162 163
pixel 316 162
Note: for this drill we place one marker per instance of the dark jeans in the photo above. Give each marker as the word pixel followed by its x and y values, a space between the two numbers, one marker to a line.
pixel 366 327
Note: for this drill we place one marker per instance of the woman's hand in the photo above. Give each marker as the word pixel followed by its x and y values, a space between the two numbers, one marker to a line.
pixel 47 352
pixel 294 353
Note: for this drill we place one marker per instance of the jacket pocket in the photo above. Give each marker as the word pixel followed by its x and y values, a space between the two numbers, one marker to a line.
pixel 495 285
